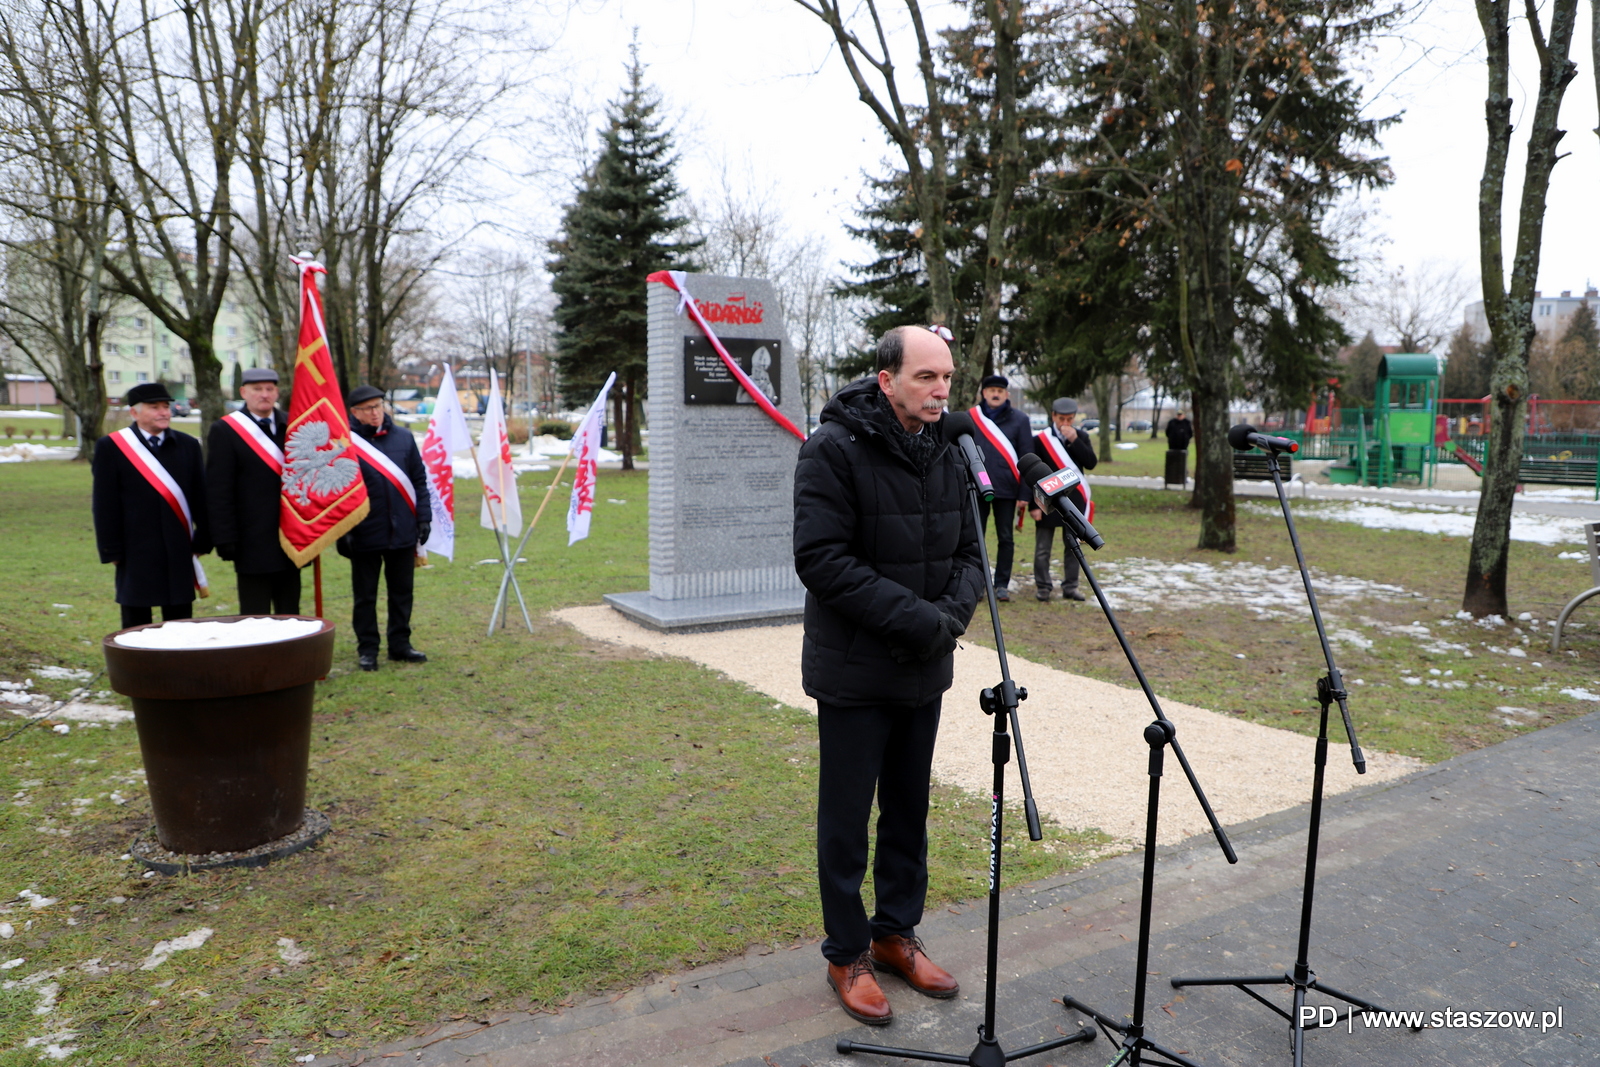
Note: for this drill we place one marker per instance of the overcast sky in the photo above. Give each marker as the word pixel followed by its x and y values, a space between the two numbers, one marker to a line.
pixel 755 89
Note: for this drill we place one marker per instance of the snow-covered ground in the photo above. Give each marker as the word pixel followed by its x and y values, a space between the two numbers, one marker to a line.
pixel 1432 518
pixel 25 451
pixel 546 454
pixel 186 634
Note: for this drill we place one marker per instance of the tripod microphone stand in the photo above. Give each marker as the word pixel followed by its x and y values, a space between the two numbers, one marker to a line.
pixel 1001 703
pixel 1330 690
pixel 1134 1047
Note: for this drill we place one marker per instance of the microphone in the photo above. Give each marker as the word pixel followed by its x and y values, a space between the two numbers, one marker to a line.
pixel 1244 437
pixel 1050 490
pixel 958 428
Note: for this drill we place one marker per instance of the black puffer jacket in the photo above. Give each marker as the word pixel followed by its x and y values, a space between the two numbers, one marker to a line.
pixel 390 521
pixel 883 549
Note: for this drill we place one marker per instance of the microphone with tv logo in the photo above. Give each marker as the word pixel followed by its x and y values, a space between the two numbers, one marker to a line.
pixel 958 428
pixel 1244 437
pixel 1050 490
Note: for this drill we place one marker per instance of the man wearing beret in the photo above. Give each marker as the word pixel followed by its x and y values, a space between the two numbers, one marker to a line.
pixel 150 515
pixel 1061 444
pixel 244 481
pixel 386 541
pixel 1004 434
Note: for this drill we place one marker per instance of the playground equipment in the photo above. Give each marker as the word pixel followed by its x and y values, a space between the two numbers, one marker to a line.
pixel 1401 442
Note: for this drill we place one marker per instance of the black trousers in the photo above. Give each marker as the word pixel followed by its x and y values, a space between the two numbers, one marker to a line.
pixel 889 751
pixel 1043 540
pixel 139 614
pixel 277 593
pixel 1005 529
pixel 400 571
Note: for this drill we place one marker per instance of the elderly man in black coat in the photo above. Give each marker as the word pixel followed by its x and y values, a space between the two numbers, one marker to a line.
pixel 1004 436
pixel 150 516
pixel 398 520
pixel 885 545
pixel 1061 444
pixel 244 481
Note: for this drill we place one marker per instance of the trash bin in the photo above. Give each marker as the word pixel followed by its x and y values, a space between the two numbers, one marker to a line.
pixel 1177 466
pixel 225 730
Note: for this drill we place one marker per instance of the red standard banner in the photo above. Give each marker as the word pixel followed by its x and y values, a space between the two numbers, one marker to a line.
pixel 323 494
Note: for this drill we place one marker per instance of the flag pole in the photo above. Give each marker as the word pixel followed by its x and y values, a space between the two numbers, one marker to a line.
pixel 316 579
pixel 500 543
pixel 554 485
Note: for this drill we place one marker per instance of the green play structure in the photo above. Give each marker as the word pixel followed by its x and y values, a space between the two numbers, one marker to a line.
pixel 1396 442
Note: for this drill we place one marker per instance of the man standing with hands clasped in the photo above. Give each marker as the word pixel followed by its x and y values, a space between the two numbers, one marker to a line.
pixel 386 541
pixel 150 517
pixel 1060 445
pixel 1004 435
pixel 244 480
pixel 885 545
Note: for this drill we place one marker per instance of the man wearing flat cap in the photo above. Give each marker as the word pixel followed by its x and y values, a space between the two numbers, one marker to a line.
pixel 1061 444
pixel 1004 436
pixel 386 541
pixel 244 481
pixel 150 516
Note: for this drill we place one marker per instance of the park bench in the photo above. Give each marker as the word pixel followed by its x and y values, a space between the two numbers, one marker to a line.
pixel 1591 531
pixel 1252 466
pixel 1557 471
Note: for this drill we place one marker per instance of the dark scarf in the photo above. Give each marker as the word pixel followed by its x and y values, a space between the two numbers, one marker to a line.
pixel 919 448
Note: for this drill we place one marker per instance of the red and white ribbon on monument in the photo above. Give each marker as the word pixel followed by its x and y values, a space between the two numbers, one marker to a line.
pixel 675 280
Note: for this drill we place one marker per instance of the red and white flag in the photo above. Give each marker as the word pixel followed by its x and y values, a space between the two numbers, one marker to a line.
pixel 586 447
pixel 447 435
pixel 323 493
pixel 501 508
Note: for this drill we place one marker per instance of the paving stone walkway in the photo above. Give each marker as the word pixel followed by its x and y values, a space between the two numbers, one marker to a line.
pixel 1471 886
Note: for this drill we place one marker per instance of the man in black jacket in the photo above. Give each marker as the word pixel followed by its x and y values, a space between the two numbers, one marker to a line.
pixel 150 517
pixel 1180 431
pixel 399 519
pixel 244 481
pixel 1061 445
pixel 885 545
pixel 1004 435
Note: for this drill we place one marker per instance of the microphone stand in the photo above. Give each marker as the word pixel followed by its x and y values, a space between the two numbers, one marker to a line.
pixel 1001 703
pixel 1135 1047
pixel 1330 689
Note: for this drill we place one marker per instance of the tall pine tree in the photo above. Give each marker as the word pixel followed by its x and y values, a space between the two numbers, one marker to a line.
pixel 618 230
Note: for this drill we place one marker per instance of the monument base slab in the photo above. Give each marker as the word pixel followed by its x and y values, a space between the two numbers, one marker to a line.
pixel 707 613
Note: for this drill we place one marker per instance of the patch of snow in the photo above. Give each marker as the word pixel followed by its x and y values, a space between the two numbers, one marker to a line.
pixel 1580 694
pixel 1126 445
pixel 1572 555
pixel 289 953
pixel 164 949
pixel 55 1045
pixel 1138 584
pixel 1439 519
pixel 93 713
pixel 9 964
pixel 71 674
pixel 36 900
pixel 186 634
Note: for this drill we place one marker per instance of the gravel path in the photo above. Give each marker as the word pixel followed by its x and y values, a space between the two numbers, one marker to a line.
pixel 1083 738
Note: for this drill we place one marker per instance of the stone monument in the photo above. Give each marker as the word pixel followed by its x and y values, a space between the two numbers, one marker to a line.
pixel 721 469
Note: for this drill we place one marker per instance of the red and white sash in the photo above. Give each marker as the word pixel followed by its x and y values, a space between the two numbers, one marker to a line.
pixel 162 481
pixel 1056 452
pixel 989 430
pixel 386 467
pixel 259 442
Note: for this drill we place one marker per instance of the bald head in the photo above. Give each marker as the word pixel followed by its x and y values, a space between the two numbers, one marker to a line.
pixel 914 372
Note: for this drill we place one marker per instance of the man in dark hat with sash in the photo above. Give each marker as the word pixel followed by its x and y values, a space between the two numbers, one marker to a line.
pixel 1004 435
pixel 244 482
pixel 399 519
pixel 1061 444
pixel 150 515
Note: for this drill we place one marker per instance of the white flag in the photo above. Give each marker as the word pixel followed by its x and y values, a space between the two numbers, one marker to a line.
pixel 586 447
pixel 447 435
pixel 501 508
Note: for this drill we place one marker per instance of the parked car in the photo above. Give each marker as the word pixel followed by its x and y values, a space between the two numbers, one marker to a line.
pixel 1139 426
pixel 1089 424
pixel 231 406
pixel 181 408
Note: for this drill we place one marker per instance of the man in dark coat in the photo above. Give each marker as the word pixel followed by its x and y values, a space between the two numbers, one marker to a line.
pixel 244 481
pixel 885 545
pixel 1180 431
pixel 387 539
pixel 1060 445
pixel 1004 436
pixel 145 476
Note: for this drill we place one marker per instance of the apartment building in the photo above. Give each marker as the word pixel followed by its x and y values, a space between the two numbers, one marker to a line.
pixel 1550 313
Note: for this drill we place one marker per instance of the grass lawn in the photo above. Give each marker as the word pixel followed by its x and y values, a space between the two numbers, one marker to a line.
pixel 523 822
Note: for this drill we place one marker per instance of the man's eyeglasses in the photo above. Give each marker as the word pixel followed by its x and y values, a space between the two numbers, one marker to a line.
pixel 942 333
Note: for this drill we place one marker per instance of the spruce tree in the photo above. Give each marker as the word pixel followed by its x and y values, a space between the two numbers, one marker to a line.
pixel 618 230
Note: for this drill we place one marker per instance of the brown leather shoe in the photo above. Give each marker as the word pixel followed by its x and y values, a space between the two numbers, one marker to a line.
pixel 906 957
pixel 859 993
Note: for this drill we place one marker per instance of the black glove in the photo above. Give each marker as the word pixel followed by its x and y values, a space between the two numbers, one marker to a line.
pixel 227 552
pixel 945 642
pixel 423 530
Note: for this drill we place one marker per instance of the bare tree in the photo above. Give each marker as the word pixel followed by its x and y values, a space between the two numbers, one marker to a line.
pixel 1418 310
pixel 1510 308
pixel 57 217
pixel 504 311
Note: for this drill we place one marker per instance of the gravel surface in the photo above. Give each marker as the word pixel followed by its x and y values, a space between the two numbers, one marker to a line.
pixel 1083 738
